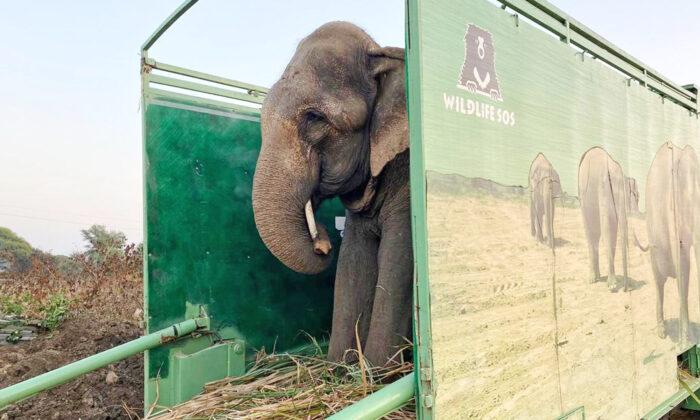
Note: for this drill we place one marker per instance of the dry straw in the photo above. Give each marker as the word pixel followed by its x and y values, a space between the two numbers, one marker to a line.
pixel 302 385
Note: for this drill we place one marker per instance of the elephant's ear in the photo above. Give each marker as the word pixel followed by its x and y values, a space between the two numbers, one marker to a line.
pixel 388 131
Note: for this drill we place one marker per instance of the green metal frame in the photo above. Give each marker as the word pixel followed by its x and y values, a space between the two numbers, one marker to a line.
pixel 539 11
pixel 672 402
pixel 575 33
pixel 162 81
pixel 578 410
pixel 382 402
pixel 422 335
pixel 64 374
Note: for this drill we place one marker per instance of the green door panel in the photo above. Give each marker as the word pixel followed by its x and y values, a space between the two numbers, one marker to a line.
pixel 202 243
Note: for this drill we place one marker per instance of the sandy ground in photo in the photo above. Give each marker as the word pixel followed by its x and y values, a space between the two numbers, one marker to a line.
pixel 493 294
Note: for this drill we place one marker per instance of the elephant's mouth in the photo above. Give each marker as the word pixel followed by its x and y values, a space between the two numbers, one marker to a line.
pixel 319 235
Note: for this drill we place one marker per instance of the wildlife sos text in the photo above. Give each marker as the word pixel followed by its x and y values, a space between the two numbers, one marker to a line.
pixel 478 109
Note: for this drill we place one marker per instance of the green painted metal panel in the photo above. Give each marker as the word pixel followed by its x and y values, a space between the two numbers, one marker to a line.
pixel 508 327
pixel 192 369
pixel 422 334
pixel 202 244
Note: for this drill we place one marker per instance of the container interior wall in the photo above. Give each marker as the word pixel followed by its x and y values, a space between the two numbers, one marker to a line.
pixel 202 243
pixel 538 157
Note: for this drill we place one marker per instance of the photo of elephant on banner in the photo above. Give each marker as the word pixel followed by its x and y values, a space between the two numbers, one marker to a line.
pixel 545 186
pixel 607 196
pixel 673 225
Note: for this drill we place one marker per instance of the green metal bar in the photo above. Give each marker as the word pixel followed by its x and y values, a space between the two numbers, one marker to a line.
pixel 604 43
pixel 573 411
pixel 144 197
pixel 382 402
pixel 554 20
pixel 673 401
pixel 65 373
pixel 198 87
pixel 422 333
pixel 224 106
pixel 184 7
pixel 540 12
pixel 251 88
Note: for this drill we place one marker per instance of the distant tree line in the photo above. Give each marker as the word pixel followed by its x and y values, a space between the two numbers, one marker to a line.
pixel 102 244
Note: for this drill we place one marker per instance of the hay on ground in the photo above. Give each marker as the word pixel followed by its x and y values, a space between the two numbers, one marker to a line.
pixel 300 385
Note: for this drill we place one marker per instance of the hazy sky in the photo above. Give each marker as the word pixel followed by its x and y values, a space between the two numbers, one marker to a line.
pixel 70 129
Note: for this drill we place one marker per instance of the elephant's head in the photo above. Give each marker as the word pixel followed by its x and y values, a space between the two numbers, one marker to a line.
pixel 331 123
pixel 632 191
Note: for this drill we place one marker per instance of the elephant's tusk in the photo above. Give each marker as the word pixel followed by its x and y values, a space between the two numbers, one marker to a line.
pixel 322 245
pixel 310 221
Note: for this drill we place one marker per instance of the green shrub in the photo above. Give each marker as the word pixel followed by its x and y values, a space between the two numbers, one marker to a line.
pixel 55 311
pixel 10 306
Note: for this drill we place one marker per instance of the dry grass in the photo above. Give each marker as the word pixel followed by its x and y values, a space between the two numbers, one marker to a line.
pixel 113 288
pixel 303 385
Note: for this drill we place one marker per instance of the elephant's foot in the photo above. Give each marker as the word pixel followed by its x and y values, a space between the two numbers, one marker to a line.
pixel 612 283
pixel 593 276
pixel 661 329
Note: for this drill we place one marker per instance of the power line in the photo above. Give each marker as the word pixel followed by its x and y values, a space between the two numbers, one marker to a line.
pixel 72 222
pixel 74 214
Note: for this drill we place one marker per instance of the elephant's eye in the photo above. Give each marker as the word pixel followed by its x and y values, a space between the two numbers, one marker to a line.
pixel 314 126
pixel 313 116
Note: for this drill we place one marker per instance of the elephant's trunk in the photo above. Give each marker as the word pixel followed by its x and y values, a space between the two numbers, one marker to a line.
pixel 282 187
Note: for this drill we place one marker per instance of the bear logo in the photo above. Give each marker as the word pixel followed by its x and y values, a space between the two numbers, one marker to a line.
pixel 479 68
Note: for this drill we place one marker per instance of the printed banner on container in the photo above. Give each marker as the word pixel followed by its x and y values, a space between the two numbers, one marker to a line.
pixel 563 214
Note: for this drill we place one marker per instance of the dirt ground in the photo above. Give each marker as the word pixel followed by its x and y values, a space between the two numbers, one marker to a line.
pixel 89 397
pixel 495 292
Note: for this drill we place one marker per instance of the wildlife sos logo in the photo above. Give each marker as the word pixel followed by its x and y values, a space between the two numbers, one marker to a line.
pixel 478 76
pixel 479 68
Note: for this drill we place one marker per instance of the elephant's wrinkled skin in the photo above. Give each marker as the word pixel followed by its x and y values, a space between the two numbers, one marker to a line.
pixel 606 198
pixel 673 225
pixel 544 188
pixel 335 124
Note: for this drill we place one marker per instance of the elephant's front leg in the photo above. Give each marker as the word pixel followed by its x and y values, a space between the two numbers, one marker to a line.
pixel 539 217
pixel 550 223
pixel 391 313
pixel 355 280
pixel 533 215
pixel 612 246
pixel 659 282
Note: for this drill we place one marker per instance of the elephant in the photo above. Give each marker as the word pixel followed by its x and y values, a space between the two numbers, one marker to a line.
pixel 606 196
pixel 673 225
pixel 335 125
pixel 544 188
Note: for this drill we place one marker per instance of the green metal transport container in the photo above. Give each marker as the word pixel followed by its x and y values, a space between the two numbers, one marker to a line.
pixel 526 128
pixel 202 252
